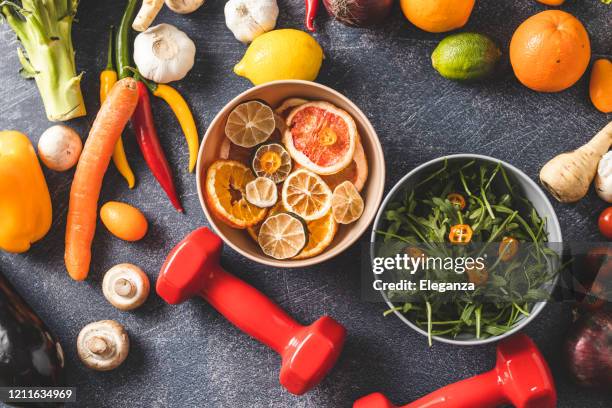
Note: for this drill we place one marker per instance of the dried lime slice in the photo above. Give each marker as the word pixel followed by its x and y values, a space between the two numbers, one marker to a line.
pixel 282 236
pixel 272 161
pixel 262 192
pixel 347 205
pixel 250 124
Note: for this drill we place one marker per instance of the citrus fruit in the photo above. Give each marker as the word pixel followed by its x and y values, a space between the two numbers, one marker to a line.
pixel 356 172
pixel 552 2
pixel 250 124
pixel 321 233
pixel 226 182
pixel 272 161
pixel 437 16
pixel 261 192
pixel 282 236
pixel 306 194
pixel 124 221
pixel 600 87
pixel 320 137
pixel 287 105
pixel 550 51
pixel 465 56
pixel 347 205
pixel 281 54
pixel 254 230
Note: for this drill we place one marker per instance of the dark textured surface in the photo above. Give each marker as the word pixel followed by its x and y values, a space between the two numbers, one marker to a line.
pixel 188 355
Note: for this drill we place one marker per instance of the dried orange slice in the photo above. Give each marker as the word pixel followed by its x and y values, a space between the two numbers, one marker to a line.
pixel 261 192
pixel 306 194
pixel 272 161
pixel 320 137
pixel 321 233
pixel 226 182
pixel 282 236
pixel 347 204
pixel 254 230
pixel 356 172
pixel 250 124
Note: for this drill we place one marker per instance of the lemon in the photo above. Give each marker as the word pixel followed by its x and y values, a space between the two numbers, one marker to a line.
pixel 307 195
pixel 281 54
pixel 465 56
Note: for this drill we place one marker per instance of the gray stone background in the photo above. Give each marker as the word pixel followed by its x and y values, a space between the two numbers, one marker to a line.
pixel 188 355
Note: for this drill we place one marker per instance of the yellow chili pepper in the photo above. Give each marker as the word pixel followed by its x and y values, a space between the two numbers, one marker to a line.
pixel 108 77
pixel 182 112
pixel 25 204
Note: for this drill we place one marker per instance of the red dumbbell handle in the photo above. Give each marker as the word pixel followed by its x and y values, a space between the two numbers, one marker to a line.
pixel 249 309
pixel 482 391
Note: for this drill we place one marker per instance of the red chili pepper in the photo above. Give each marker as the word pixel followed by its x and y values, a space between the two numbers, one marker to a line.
pixel 148 141
pixel 311 12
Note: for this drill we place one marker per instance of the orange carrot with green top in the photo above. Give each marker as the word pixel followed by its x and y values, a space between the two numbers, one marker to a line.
pixel 83 206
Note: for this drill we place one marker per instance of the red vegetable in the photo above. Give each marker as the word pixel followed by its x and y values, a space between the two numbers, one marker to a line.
pixel 356 13
pixel 605 223
pixel 588 348
pixel 311 12
pixel 148 141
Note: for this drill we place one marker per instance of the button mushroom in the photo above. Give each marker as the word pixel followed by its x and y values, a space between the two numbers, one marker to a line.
pixel 103 345
pixel 125 286
pixel 164 53
pixel 184 6
pixel 59 147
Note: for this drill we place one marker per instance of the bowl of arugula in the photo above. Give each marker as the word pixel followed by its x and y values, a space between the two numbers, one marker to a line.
pixel 463 207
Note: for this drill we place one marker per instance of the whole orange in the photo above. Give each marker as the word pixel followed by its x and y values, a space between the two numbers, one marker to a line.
pixel 552 2
pixel 550 51
pixel 437 16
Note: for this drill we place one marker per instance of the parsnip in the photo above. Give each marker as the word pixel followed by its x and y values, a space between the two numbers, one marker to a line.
pixel 146 15
pixel 569 175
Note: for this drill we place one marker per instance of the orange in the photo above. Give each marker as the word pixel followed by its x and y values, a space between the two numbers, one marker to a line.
pixel 600 88
pixel 225 193
pixel 550 51
pixel 320 137
pixel 124 221
pixel 552 2
pixel 321 233
pixel 437 16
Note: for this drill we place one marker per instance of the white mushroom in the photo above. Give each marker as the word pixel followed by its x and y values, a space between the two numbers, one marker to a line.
pixel 603 179
pixel 125 286
pixel 184 6
pixel 146 15
pixel 164 53
pixel 59 147
pixel 248 19
pixel 103 345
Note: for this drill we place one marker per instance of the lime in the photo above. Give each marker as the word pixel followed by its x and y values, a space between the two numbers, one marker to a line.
pixel 282 236
pixel 250 124
pixel 281 54
pixel 465 56
pixel 261 192
pixel 347 205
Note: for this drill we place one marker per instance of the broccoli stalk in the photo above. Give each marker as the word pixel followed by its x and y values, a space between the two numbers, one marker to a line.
pixel 44 30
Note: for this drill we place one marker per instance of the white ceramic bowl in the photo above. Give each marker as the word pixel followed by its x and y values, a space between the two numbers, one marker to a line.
pixel 273 93
pixel 530 190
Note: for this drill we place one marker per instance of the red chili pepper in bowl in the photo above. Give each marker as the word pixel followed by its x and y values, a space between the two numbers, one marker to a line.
pixel 152 151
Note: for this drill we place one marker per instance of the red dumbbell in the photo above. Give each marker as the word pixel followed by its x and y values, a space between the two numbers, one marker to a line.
pixel 308 352
pixel 521 377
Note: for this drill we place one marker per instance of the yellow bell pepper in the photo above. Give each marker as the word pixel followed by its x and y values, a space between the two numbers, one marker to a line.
pixel 25 204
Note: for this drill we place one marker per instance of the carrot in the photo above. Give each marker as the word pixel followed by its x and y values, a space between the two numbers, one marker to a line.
pixel 82 209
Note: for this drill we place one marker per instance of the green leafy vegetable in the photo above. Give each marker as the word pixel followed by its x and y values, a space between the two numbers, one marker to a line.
pixel 44 30
pixel 494 210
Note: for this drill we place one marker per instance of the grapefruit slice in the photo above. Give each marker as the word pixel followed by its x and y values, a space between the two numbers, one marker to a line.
pixel 225 194
pixel 321 137
pixel 283 110
pixel 356 172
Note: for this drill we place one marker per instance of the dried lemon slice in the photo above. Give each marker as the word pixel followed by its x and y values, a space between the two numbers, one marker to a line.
pixel 347 205
pixel 272 161
pixel 282 236
pixel 250 124
pixel 262 192
pixel 306 194
pixel 226 181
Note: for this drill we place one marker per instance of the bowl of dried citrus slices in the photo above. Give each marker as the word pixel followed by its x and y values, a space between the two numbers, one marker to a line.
pixel 290 173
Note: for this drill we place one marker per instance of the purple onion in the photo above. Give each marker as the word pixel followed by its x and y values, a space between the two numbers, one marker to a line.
pixel 359 13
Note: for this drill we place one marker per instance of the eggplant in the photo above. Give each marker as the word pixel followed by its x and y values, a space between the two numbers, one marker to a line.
pixel 589 350
pixel 30 356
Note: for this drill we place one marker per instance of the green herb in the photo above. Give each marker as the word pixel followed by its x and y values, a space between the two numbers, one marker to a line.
pixel 495 209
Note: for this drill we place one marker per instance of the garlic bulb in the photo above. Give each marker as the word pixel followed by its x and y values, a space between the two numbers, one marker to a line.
pixel 184 6
pixel 164 53
pixel 603 179
pixel 248 19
